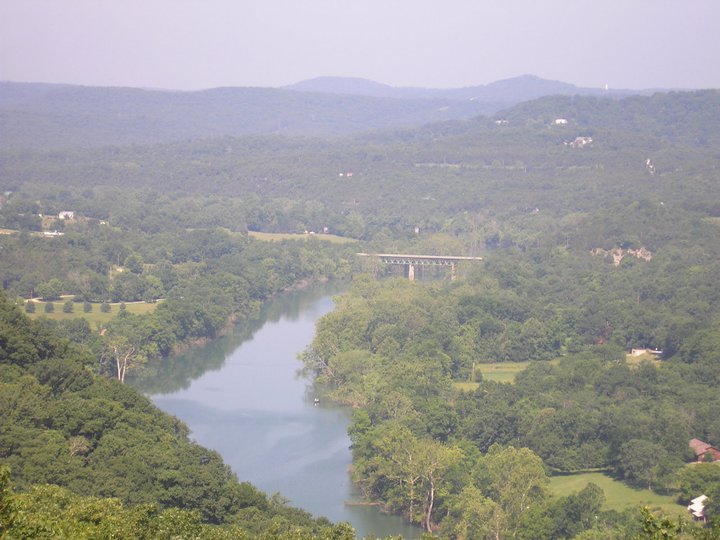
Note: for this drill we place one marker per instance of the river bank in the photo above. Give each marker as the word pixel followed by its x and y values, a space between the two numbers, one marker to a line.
pixel 236 319
pixel 241 395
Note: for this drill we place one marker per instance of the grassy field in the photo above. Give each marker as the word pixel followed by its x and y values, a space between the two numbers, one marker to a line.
pixel 466 386
pixel 635 361
pixel 617 494
pixel 95 316
pixel 501 371
pixel 498 372
pixel 276 237
pixel 506 371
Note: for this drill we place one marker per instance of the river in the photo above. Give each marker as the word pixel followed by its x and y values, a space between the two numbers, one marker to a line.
pixel 242 396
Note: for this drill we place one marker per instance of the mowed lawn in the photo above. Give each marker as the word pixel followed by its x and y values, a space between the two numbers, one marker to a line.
pixel 277 237
pixel 501 371
pixel 95 317
pixel 618 495
pixel 498 371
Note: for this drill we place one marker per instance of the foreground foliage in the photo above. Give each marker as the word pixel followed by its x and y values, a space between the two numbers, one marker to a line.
pixel 62 424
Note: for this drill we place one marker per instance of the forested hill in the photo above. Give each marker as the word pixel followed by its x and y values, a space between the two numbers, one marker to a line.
pixel 59 116
pixel 418 177
pixel 43 115
pixel 505 93
pixel 688 117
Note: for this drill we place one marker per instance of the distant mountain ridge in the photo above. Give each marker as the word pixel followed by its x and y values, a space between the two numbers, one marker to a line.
pixel 53 115
pixel 60 116
pixel 507 91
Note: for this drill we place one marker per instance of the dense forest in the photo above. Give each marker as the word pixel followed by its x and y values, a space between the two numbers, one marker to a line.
pixel 598 224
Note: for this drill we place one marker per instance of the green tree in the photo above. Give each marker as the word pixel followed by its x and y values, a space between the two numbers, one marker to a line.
pixel 29 306
pixel 406 471
pixel 68 306
pixel 124 352
pixel 640 461
pixel 153 288
pixel 658 527
pixel 697 480
pixel 49 307
pixel 473 516
pixel 514 478
pixel 50 290
pixel 391 471
pixel 712 504
pixel 134 263
pixel 578 512
pixel 8 509
pixel 434 460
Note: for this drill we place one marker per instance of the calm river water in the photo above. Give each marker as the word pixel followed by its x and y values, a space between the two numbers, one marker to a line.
pixel 241 395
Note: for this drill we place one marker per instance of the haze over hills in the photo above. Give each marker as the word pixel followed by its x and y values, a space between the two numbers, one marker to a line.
pixel 506 91
pixel 61 116
pixel 434 159
pixel 57 116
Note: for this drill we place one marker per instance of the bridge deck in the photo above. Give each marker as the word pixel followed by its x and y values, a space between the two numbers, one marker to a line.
pixel 420 257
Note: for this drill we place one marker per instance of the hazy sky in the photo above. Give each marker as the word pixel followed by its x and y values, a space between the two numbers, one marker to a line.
pixel 192 44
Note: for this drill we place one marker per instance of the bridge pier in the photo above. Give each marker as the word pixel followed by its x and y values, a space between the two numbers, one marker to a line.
pixel 411 272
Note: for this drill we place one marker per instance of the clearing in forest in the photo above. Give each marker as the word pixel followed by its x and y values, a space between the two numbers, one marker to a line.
pixel 618 495
pixel 277 237
pixel 94 316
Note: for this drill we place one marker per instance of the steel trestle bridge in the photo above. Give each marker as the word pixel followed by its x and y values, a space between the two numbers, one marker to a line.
pixel 413 261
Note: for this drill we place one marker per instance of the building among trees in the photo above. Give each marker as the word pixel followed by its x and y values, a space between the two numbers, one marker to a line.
pixel 704 452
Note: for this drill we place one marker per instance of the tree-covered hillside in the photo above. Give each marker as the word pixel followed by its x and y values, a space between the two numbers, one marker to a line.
pixel 62 116
pixel 497 181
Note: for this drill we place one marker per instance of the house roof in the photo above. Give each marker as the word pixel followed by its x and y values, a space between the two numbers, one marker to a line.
pixel 697 506
pixel 700 447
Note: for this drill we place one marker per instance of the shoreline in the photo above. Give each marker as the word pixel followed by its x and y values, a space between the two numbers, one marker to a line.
pixel 237 318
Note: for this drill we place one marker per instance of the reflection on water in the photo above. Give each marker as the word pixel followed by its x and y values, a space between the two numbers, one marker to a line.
pixel 177 372
pixel 241 395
